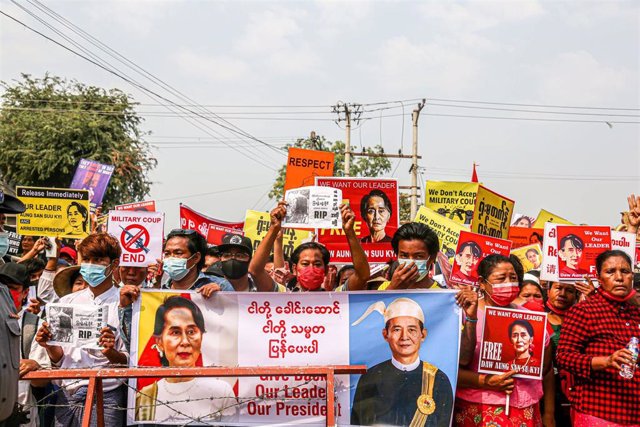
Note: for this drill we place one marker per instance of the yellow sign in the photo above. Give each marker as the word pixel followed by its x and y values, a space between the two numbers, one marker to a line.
pixel 56 212
pixel 256 225
pixel 492 214
pixel 447 230
pixel 546 216
pixel 455 200
pixel 530 256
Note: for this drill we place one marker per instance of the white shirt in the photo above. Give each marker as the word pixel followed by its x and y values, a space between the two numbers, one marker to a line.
pixel 45 287
pixel 403 367
pixel 75 357
pixel 201 398
pixel 25 397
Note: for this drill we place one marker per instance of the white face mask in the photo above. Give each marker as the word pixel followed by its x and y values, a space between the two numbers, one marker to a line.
pixel 422 265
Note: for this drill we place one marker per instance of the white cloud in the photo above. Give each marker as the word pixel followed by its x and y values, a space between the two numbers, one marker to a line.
pixel 578 78
pixel 404 65
pixel 334 18
pixel 211 67
pixel 270 31
pixel 137 18
pixel 479 15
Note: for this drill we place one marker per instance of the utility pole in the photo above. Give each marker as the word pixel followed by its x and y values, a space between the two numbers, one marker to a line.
pixel 348 110
pixel 414 160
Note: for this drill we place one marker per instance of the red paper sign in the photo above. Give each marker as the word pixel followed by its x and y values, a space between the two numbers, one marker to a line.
pixel 375 204
pixel 513 340
pixel 473 248
pixel 578 248
pixel 148 206
pixel 522 236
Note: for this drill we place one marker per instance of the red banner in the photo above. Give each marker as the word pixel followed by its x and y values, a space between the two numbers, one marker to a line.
pixel 375 204
pixel 192 220
pixel 148 206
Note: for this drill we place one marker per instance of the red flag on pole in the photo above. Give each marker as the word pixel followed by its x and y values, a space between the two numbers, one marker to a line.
pixel 474 175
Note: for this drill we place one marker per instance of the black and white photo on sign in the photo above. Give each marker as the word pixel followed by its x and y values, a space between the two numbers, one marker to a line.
pixel 61 324
pixel 297 206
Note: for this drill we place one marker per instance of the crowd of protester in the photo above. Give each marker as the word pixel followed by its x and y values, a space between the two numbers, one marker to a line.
pixel 590 323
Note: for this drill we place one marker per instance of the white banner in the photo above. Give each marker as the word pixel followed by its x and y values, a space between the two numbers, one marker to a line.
pixel 140 235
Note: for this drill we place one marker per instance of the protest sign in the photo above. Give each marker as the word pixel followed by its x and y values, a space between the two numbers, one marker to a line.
pixel 513 340
pixel 313 207
pixel 578 247
pixel 492 214
pixel 473 248
pixel 217 232
pixel 149 206
pixel 303 166
pixel 256 225
pixel 522 221
pixel 75 324
pixel 93 177
pixel 14 240
pixel 455 200
pixel 101 223
pixel 192 220
pixel 522 236
pixel 530 256
pixel 140 235
pixel 58 212
pixel 546 216
pixel 549 268
pixel 626 242
pixel 279 330
pixel 374 202
pixel 448 231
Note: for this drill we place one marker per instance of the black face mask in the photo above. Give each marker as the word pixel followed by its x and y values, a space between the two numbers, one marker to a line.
pixel 234 269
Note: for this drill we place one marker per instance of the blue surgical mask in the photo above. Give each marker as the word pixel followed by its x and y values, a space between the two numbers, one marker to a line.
pixel 93 274
pixel 423 269
pixel 176 268
pixel 4 244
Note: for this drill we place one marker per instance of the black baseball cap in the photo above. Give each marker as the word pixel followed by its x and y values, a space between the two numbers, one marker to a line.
pixel 231 240
pixel 12 272
pixel 10 204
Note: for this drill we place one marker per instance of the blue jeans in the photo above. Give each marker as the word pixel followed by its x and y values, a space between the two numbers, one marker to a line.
pixel 71 408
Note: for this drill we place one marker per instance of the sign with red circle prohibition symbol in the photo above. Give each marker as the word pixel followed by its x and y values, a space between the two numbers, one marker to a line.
pixel 134 238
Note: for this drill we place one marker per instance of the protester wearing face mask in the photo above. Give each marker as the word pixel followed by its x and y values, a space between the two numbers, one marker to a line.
pixel 484 395
pixel 310 261
pixel 416 246
pixel 32 356
pixel 184 257
pixel 235 256
pixel 100 257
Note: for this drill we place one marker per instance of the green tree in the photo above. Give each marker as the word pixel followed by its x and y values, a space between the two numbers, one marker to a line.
pixel 47 125
pixel 360 166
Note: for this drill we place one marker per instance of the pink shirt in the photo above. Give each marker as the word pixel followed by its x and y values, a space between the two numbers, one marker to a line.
pixel 527 392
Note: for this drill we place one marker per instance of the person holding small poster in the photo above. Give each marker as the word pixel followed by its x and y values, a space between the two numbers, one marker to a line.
pixel 484 396
pixel 310 261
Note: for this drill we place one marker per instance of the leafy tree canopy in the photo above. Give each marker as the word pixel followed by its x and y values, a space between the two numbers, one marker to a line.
pixel 47 125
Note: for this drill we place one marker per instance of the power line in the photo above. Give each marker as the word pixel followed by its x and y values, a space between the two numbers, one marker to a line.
pixel 532 105
pixel 125 78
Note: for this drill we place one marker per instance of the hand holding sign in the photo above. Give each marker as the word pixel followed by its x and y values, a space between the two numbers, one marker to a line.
pixel 278 214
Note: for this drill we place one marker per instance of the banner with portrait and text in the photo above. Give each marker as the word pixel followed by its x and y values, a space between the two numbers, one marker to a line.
pixel 180 329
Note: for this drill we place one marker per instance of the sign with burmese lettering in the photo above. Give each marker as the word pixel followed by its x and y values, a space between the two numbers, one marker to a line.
pixel 492 214
pixel 181 329
pixel 513 340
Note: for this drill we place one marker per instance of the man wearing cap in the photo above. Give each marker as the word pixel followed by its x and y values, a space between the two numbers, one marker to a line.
pixel 32 356
pixel 235 255
pixel 9 324
pixel 404 390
